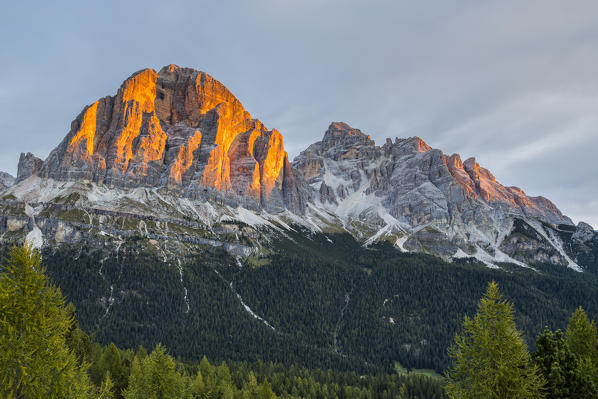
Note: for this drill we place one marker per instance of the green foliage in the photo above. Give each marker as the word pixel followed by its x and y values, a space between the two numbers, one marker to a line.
pixel 266 380
pixel 76 340
pixel 582 339
pixel 34 359
pixel 110 361
pixel 122 373
pixel 155 377
pixel 561 369
pixel 107 388
pixel 581 336
pixel 331 303
pixel 490 357
pixel 337 306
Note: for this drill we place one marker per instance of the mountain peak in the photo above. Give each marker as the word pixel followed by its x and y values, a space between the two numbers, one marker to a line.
pixel 340 133
pixel 178 128
pixel 182 133
pixel 343 129
pixel 170 68
pixel 417 144
pixel 29 165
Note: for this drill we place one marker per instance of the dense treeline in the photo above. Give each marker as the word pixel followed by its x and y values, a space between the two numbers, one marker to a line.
pixel 331 302
pixel 385 306
pixel 128 372
pixel 44 354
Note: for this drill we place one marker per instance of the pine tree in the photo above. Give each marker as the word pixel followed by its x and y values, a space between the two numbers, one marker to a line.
pixel 197 386
pixel 35 361
pixel 582 339
pixel 76 340
pixel 251 389
pixel 490 357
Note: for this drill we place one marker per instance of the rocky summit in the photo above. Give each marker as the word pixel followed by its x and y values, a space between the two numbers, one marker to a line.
pixel 174 157
pixel 425 200
pixel 182 130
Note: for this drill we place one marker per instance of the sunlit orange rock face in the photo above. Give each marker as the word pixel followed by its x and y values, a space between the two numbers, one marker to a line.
pixel 180 129
pixel 81 145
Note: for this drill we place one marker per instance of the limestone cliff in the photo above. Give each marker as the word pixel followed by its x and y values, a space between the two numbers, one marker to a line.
pixel 427 200
pixel 175 146
pixel 6 181
pixel 183 131
pixel 29 165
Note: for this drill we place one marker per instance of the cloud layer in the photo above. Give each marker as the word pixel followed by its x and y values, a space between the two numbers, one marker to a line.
pixel 512 83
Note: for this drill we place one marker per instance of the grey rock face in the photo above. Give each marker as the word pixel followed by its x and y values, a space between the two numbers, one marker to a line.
pixel 29 165
pixel 584 232
pixel 432 241
pixel 407 183
pixel 527 244
pixel 6 180
pixel 181 132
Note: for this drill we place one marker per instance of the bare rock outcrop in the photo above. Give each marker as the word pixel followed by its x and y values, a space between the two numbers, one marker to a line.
pixel 407 183
pixel 6 181
pixel 29 165
pixel 181 132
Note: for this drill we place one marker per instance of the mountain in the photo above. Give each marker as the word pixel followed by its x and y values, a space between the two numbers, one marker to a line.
pixel 426 201
pixel 182 130
pixel 177 145
pixel 168 214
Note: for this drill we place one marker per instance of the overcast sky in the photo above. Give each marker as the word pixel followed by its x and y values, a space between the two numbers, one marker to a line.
pixel 513 83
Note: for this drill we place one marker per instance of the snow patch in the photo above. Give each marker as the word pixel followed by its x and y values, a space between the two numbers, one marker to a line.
pixel 400 242
pixel 248 217
pixel 185 292
pixel 556 243
pixel 460 254
pixel 248 309
pixel 35 238
pixel 499 257
pixel 245 306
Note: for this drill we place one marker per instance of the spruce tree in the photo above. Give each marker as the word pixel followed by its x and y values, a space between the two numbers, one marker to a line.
pixel 490 358
pixel 561 369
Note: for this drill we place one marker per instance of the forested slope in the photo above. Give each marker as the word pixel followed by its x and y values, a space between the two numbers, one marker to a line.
pixel 314 300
